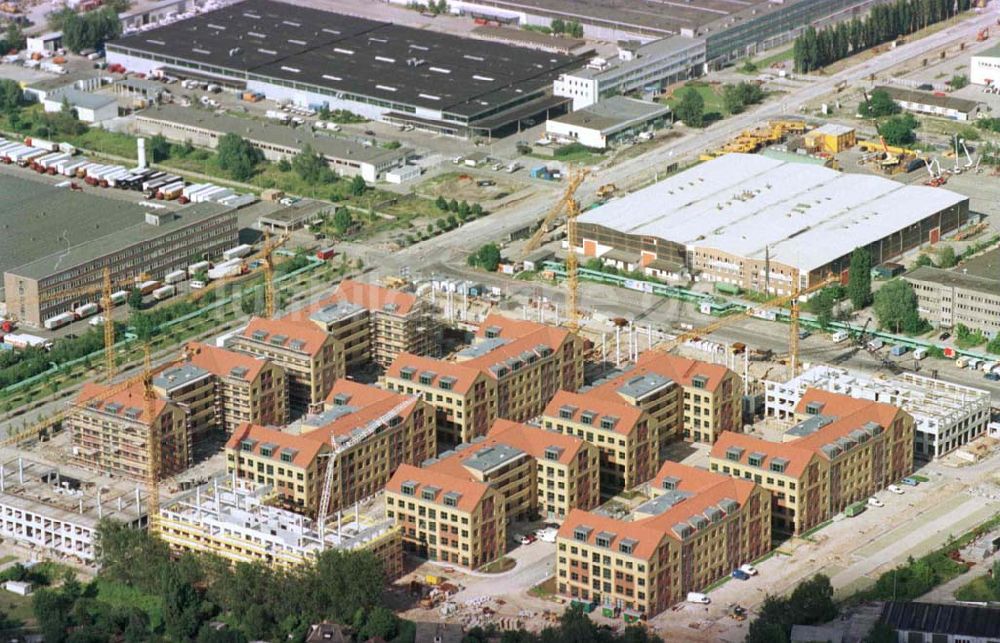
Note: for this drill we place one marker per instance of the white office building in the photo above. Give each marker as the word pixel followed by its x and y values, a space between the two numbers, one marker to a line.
pixel 648 68
pixel 947 415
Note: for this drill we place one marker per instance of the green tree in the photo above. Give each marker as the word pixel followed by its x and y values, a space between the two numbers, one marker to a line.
pixel 342 220
pixel 899 130
pixel 958 81
pixel 159 147
pixel 994 347
pixel 575 29
pixel 761 631
pixel 381 623
pixel 923 259
pixel 52 611
pixel 859 281
pixel 487 257
pixel 237 157
pixel 11 95
pixel 358 186
pixel 463 209
pixel 896 307
pixel 811 601
pixel 947 257
pixel 822 305
pixel 90 30
pixel 477 210
pixel 441 203
pixel 311 166
pixel 736 97
pixel 558 26
pixel 13 37
pixel 208 634
pixel 879 104
pixel 691 107
pixel 181 607
pixel 135 299
pixel 453 206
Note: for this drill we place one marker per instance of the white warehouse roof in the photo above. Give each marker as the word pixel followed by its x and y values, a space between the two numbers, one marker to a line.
pixel 742 204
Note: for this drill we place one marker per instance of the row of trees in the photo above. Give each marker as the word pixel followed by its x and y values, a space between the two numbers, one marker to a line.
pixel 89 30
pixel 256 601
pixel 810 603
pixel 818 48
pixel 571 28
pixel 574 627
pixel 736 98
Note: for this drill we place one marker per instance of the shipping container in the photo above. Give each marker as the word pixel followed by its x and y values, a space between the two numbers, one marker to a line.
pixel 899 350
pixel 87 310
pixel 41 143
pixel 166 292
pixel 920 353
pixel 194 187
pixel 855 509
pixel 326 253
pixel 119 297
pixel 226 269
pixel 175 277
pixel 962 362
pixel 239 251
pixel 68 148
pixel 195 268
pixel 59 321
pixel 24 340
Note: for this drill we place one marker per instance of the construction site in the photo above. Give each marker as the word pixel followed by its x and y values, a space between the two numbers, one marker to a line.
pixel 53 512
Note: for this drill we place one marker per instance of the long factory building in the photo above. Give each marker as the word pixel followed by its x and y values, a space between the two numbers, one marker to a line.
pixel 434 81
pixel 765 224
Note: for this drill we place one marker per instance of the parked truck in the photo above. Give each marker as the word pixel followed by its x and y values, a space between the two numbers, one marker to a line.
pixel 164 292
pixel 58 321
pixel 225 269
pixel 241 250
pixel 200 266
pixel 119 297
pixel 87 310
pixel 147 287
pixel 175 277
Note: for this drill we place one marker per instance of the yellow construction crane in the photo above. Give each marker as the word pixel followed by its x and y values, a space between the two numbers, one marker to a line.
pixel 266 257
pixel 152 442
pixel 708 329
pixel 571 206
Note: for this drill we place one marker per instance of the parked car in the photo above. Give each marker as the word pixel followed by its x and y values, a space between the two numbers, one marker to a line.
pixel 993 377
pixel 894 489
pixel 698 597
pixel 804 333
pixel 527 539
pixel 875 502
pixel 944 336
pixel 910 482
pixel 748 569
pixel 552 525
pixel 739 574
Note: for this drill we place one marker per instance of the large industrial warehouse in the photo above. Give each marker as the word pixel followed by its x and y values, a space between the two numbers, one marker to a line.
pixel 761 223
pixel 431 80
pixel 65 239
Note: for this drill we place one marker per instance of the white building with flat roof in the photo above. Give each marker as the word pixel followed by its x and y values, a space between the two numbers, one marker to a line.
pixel 947 415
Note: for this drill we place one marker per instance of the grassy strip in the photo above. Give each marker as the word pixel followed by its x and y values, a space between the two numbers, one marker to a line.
pixel 812 531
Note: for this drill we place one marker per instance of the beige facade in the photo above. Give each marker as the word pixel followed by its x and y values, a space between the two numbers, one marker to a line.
pixel 841 452
pixel 694 530
pixel 620 432
pixel 294 459
pixel 312 360
pixel 110 432
pixel 947 299
pixel 446 518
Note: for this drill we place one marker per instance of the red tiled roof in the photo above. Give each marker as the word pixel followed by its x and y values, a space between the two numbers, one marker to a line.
pixel 313 337
pixel 464 375
pixel 472 491
pixel 535 440
pixel 798 457
pixel 221 361
pixel 628 415
pixel 679 369
pixel 850 414
pixel 374 297
pixel 131 397
pixel 306 447
pixel 708 490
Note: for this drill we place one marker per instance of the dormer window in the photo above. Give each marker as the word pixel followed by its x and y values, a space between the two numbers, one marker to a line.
pixel 699 381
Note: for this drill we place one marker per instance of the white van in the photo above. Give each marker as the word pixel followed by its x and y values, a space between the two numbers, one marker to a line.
pixel 875 344
pixel 698 597
pixel 197 285
pixel 840 336
pixel 920 353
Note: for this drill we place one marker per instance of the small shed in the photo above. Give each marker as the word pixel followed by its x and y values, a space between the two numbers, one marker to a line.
pixel 90 108
pixel 402 174
pixel 21 588
pixel 46 42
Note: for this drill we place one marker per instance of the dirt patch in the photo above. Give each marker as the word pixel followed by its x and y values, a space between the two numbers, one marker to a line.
pixel 468 187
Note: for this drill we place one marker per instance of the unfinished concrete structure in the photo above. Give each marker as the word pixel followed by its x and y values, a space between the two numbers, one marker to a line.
pixel 55 512
pixel 231 518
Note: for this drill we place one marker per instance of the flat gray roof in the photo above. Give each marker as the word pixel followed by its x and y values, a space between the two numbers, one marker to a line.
pixel 273 133
pixel 179 376
pixel 335 312
pixel 642 385
pixel 48 229
pixel 78 98
pixel 955 279
pixel 658 49
pixel 489 458
pixel 614 113
pixel 663 502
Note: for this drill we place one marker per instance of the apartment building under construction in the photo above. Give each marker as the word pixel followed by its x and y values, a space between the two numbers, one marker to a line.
pixel 376 324
pixel 694 529
pixel 511 371
pixel 311 358
pixel 233 520
pixel 220 388
pixel 110 431
pixel 841 451
pixel 365 433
